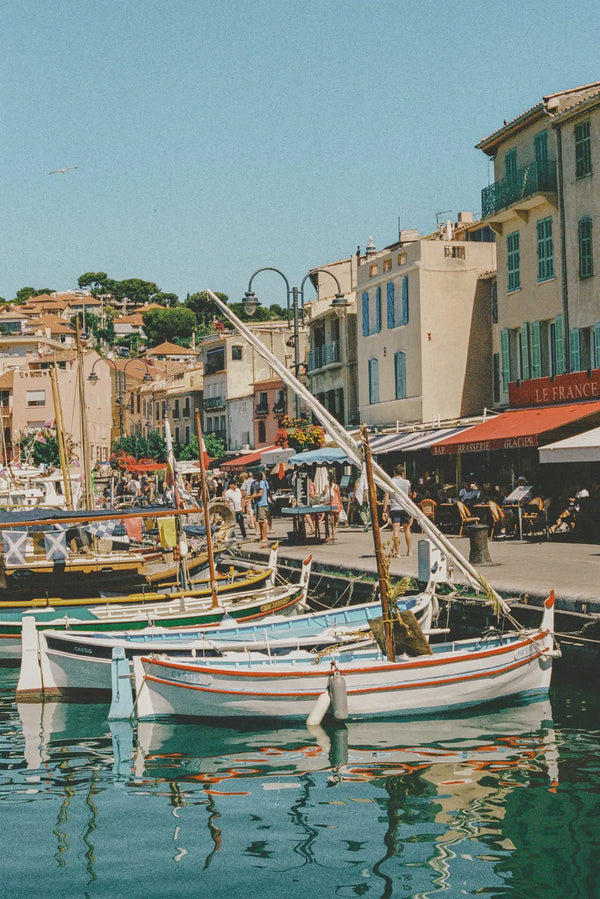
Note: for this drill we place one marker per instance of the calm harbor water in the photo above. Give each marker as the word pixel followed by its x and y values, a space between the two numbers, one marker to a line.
pixel 502 803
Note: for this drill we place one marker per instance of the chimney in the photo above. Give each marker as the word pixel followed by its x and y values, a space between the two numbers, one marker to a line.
pixel 465 218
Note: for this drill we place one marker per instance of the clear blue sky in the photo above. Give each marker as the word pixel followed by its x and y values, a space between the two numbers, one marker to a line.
pixel 212 138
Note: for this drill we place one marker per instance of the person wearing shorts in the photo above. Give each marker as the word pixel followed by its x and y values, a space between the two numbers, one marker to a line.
pixel 400 518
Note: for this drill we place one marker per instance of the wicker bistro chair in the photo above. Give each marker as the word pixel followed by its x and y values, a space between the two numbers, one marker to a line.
pixel 465 517
pixel 498 518
pixel 429 507
pixel 535 518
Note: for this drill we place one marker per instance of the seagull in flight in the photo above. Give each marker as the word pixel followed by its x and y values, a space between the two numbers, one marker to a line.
pixel 62 171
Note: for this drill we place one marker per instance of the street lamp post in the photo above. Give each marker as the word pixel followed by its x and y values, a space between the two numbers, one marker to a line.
pixel 294 304
pixel 121 383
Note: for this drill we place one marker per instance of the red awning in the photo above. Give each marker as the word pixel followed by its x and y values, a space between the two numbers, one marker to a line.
pixel 240 462
pixel 145 466
pixel 511 430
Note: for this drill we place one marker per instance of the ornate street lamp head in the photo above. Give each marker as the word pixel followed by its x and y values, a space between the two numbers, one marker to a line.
pixel 250 303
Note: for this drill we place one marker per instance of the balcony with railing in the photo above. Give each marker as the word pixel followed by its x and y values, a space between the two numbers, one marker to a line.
pixel 326 354
pixel 221 433
pixel 214 402
pixel 532 179
pixel 261 409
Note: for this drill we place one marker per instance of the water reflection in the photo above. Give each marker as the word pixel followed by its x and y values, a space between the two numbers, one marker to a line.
pixel 388 809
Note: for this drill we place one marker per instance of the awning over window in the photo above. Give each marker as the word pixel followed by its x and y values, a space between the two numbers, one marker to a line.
pixel 512 430
pixel 580 448
pixel 411 441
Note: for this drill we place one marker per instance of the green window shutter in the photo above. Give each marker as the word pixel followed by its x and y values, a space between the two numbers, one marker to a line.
pixel 586 251
pixel 365 314
pixel 510 161
pixel 540 143
pixel 505 346
pixel 391 302
pixel 583 150
pixel 377 327
pixel 536 350
pixel 525 367
pixel 597 346
pixel 574 349
pixel 559 344
pixel 405 300
pixel 373 381
pixel 545 249
pixel 513 260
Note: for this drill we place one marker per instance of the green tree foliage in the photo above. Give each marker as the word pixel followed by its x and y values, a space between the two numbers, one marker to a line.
pixel 96 281
pixel 42 447
pixel 166 299
pixel 205 310
pixel 25 293
pixel 140 446
pixel 169 324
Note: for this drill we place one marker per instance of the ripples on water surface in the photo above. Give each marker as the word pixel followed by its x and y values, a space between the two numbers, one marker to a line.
pixel 497 804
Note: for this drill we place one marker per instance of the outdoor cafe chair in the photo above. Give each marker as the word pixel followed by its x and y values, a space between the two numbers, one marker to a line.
pixel 465 517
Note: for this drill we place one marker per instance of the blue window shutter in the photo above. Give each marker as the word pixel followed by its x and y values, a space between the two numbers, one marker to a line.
pixel 536 350
pixel 377 328
pixel 574 349
pixel 365 314
pixel 525 367
pixel 400 374
pixel 391 316
pixel 505 346
pixel 405 300
pixel 559 344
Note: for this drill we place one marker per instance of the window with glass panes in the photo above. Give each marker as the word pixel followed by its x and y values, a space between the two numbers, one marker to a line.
pixel 513 260
pixel 586 259
pixel 583 149
pixel 545 249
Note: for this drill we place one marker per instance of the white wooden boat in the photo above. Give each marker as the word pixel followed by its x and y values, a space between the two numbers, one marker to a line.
pixel 462 674
pixel 70 664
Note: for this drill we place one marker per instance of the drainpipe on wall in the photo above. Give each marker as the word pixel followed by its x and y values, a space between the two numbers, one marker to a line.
pixel 563 250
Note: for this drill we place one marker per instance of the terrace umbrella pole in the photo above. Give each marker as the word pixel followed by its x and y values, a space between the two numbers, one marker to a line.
pixel 211 558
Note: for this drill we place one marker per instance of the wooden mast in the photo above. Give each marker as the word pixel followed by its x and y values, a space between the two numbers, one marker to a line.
pixel 381 568
pixel 85 442
pixel 60 437
pixel 211 558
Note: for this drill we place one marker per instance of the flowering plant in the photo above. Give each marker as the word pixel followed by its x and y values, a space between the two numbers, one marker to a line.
pixel 299 434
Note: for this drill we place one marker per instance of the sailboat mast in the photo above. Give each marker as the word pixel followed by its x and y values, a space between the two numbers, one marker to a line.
pixel 381 569
pixel 60 437
pixel 211 558
pixel 85 443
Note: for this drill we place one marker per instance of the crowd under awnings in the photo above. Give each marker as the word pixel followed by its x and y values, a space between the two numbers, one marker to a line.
pixel 517 428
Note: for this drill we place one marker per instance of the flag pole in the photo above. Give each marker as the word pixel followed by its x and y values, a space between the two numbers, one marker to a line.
pixel 211 558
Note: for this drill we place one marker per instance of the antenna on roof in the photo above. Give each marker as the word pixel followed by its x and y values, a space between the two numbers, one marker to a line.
pixel 440 213
pixel 399 229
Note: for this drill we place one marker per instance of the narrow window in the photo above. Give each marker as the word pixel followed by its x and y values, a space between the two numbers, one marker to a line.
pixel 373 381
pixel 510 161
pixel 513 260
pixel 574 350
pixel 391 300
pixel 586 253
pixel 545 249
pixel 400 374
pixel 365 314
pixel 505 347
pixel 540 143
pixel 377 310
pixel 583 150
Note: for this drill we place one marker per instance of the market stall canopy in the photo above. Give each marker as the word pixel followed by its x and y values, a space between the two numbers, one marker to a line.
pixel 324 456
pixel 410 441
pixel 247 460
pixel 277 455
pixel 515 429
pixel 580 448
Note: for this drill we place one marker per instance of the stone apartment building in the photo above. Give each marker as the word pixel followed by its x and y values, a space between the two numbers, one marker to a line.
pixel 542 205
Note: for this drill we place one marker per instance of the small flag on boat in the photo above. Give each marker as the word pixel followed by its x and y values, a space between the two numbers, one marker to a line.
pixel 15 547
pixel 55 543
pixel 134 528
pixel 39 438
pixel 167 532
pixel 101 529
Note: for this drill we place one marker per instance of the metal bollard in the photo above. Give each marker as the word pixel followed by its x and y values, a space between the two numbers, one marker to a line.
pixel 479 553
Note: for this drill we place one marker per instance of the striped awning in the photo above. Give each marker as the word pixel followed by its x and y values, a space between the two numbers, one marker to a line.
pixel 411 441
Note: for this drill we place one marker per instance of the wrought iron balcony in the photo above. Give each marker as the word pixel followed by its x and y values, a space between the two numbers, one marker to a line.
pixel 280 408
pixel 261 409
pixel 326 354
pixel 537 177
pixel 214 402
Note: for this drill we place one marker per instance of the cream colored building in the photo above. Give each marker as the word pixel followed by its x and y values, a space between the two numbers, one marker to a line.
pixel 542 205
pixel 231 368
pixel 332 367
pixel 424 325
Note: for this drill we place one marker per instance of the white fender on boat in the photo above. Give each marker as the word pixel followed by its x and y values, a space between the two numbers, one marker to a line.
pixel 272 564
pixel 339 695
pixel 30 687
pixel 319 709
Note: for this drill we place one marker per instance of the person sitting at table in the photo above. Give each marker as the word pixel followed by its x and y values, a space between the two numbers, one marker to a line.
pixel 566 519
pixel 469 493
